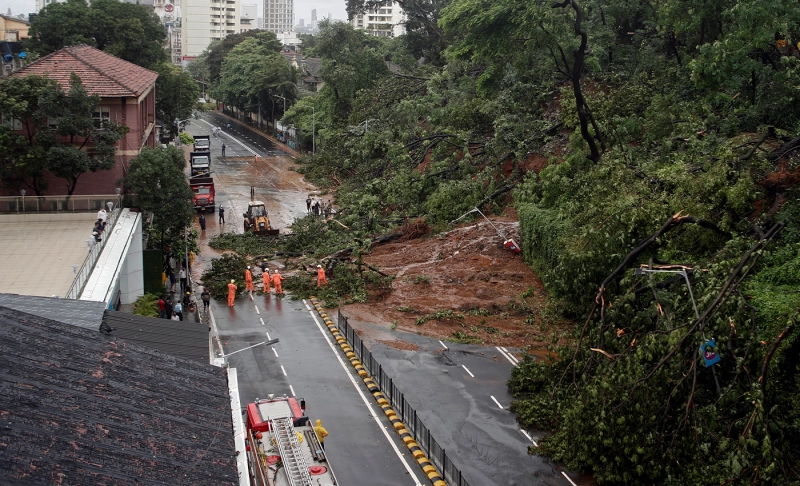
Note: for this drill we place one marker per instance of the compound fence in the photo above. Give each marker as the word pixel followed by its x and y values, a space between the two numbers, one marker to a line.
pixel 405 412
pixel 54 204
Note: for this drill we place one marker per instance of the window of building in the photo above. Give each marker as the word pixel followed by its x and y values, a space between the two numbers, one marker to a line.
pixel 101 116
pixel 12 123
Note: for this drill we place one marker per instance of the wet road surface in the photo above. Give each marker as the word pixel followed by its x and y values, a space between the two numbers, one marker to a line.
pixel 361 446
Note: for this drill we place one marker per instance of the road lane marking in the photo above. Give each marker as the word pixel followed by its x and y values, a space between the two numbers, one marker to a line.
pixel 568 479
pixel 468 371
pixel 498 403
pixel 445 347
pixel 276 354
pixel 510 355
pixel 291 389
pixel 506 355
pixel 216 332
pixel 262 323
pixel 363 398
pixel 269 337
pixel 284 371
pixel 529 437
pixel 256 309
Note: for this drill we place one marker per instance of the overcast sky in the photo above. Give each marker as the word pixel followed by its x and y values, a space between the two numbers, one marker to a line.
pixel 302 8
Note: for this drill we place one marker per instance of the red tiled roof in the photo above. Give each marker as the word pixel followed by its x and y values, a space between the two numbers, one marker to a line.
pixel 101 73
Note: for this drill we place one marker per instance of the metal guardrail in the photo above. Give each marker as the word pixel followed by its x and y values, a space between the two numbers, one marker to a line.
pixel 436 454
pixel 82 275
pixel 54 204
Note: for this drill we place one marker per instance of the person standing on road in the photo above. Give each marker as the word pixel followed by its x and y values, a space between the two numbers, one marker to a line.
pixel 321 280
pixel 206 298
pixel 231 293
pixel 229 127
pixel 202 222
pixel 221 214
pixel 223 150
pixel 179 310
pixel 248 281
pixel 161 307
pixel 321 433
pixel 277 279
pixel 167 308
pixel 266 277
pixel 316 208
pixel 171 276
pixel 308 205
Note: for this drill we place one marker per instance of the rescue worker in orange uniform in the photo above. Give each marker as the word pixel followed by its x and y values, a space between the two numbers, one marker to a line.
pixel 266 276
pixel 321 279
pixel 248 280
pixel 231 293
pixel 277 279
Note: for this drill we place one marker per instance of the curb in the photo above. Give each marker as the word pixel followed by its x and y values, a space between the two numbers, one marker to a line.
pixel 280 145
pixel 416 451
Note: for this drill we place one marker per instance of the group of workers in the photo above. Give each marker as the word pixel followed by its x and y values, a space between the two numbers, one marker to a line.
pixel 268 280
pixel 319 208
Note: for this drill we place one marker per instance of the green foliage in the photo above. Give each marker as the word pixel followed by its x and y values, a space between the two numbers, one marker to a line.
pixel 57 132
pixel 440 315
pixel 157 178
pixel 146 305
pixel 247 244
pixel 463 338
pixel 224 269
pixel 186 138
pixel 129 31
pixel 176 95
pixel 349 284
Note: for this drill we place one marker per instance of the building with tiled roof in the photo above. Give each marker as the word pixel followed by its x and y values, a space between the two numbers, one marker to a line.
pixel 77 407
pixel 127 96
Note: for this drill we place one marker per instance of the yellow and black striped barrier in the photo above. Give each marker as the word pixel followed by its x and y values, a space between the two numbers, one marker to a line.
pixel 398 425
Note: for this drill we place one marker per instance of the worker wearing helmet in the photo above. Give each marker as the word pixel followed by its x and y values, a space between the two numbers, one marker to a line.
pixel 321 433
pixel 266 277
pixel 321 280
pixel 277 279
pixel 248 280
pixel 231 293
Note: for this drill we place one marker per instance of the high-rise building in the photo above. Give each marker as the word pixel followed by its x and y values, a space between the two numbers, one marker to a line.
pixel 387 20
pixel 169 11
pixel 249 17
pixel 279 15
pixel 205 21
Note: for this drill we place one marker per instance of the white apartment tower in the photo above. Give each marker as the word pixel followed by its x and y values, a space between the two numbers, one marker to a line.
pixel 205 21
pixel 279 15
pixel 388 20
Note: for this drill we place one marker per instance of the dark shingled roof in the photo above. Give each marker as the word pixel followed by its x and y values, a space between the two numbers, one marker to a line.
pixel 186 339
pixel 81 313
pixel 77 407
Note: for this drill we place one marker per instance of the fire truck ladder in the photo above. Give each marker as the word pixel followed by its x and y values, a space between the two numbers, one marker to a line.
pixel 294 462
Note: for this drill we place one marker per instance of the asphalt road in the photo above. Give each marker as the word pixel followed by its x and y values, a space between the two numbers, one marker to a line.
pixel 362 447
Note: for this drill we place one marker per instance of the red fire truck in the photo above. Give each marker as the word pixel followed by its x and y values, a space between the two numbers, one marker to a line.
pixel 282 447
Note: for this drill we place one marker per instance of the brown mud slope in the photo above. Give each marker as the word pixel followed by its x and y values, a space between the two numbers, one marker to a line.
pixel 464 286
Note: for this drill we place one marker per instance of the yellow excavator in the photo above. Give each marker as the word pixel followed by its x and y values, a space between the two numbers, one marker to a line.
pixel 257 220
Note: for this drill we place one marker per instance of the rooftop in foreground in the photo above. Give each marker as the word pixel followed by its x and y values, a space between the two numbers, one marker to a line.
pixel 82 408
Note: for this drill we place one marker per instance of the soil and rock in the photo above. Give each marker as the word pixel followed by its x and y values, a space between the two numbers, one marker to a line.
pixel 460 285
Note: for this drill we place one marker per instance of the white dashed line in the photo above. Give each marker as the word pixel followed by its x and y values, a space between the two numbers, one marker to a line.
pixel 510 355
pixel 269 337
pixel 529 437
pixel 568 479
pixel 498 403
pixel 276 355
pixel 468 371
pixel 284 371
pixel 262 323
pixel 256 309
pixel 445 347
pixel 291 389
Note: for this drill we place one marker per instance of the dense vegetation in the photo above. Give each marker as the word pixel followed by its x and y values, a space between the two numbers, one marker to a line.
pixel 624 135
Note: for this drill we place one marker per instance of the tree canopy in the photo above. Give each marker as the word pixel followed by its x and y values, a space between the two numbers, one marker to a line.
pixel 129 31
pixel 59 133
pixel 635 142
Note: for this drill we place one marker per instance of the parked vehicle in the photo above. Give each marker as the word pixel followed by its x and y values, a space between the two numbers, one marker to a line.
pixel 282 447
pixel 200 163
pixel 202 143
pixel 202 192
